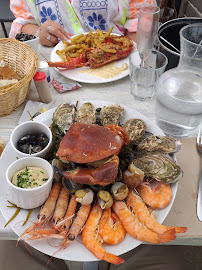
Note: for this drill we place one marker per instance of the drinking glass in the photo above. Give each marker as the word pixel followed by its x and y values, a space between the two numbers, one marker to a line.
pixel 143 79
pixel 148 21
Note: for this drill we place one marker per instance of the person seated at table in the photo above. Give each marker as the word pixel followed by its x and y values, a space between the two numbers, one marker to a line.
pixel 59 19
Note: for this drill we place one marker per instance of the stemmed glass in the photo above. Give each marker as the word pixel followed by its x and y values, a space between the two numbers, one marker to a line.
pixel 148 21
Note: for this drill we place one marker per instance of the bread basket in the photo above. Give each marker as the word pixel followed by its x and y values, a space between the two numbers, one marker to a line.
pixel 24 61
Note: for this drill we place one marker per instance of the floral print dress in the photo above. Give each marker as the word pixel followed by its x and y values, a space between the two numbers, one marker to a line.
pixel 78 16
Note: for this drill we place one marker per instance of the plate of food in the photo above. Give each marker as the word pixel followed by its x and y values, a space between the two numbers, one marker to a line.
pixel 93 57
pixel 100 144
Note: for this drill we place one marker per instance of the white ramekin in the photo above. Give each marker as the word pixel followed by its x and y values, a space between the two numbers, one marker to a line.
pixel 29 198
pixel 30 127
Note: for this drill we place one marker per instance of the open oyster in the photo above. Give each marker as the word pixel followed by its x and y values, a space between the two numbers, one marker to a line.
pixel 86 114
pixel 111 115
pixel 159 143
pixel 135 128
pixel 64 116
pixel 159 167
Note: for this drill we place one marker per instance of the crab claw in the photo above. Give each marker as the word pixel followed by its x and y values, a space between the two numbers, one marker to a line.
pixel 120 132
pixel 104 175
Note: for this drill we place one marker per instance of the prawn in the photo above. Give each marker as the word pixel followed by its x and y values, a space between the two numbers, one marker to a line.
pixel 77 225
pixel 158 197
pixel 110 228
pixel 138 230
pixel 135 202
pixel 61 206
pixel 93 241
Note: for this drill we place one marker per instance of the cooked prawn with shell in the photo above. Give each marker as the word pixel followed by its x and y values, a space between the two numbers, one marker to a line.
pixel 93 241
pixel 138 230
pixel 135 202
pixel 157 197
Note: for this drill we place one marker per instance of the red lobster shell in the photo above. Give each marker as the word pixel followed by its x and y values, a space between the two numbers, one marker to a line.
pixel 96 57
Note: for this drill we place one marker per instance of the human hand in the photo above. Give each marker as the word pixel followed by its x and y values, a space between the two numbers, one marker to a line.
pixel 51 32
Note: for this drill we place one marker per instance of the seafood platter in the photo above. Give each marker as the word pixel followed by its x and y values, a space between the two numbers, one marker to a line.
pixel 92 50
pixel 115 180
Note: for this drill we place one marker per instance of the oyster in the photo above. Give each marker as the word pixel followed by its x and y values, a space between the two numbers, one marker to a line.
pixel 135 128
pixel 86 114
pixel 164 144
pixel 64 116
pixel 159 167
pixel 110 115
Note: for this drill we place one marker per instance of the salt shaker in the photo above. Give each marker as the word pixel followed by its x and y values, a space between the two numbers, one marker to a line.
pixel 42 86
pixel 43 66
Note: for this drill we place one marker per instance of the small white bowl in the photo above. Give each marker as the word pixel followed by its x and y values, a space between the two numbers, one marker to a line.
pixel 30 127
pixel 33 43
pixel 29 198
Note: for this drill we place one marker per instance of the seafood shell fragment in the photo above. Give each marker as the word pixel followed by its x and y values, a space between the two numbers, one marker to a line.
pixel 86 114
pixel 111 115
pixel 135 128
pixel 64 116
pixel 159 167
pixel 164 144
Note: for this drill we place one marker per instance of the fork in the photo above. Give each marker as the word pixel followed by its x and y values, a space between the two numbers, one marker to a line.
pixel 199 199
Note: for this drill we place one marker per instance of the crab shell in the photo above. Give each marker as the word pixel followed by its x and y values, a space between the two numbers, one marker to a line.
pixel 88 143
pixel 85 143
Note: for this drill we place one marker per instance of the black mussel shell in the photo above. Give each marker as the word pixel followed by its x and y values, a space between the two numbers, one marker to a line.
pixel 25 148
pixel 42 140
pixel 36 148
pixel 27 138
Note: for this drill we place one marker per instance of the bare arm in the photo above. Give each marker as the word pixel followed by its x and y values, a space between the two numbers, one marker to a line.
pixel 131 35
pixel 30 28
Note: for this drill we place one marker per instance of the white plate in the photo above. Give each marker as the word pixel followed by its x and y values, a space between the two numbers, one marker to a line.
pixel 75 74
pixel 71 253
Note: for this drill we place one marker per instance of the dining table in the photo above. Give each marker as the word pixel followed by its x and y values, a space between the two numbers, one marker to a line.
pixel 183 211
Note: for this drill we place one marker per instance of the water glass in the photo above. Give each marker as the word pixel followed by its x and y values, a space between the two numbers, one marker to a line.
pixel 143 79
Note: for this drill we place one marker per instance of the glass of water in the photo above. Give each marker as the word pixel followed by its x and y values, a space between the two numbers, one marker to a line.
pixel 143 79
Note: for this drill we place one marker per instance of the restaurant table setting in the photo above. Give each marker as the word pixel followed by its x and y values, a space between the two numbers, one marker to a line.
pixel 138 101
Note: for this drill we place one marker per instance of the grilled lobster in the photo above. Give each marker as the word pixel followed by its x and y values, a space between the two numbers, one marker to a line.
pixel 96 57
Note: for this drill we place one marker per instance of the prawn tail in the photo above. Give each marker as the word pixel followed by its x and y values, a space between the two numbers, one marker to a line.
pixel 111 258
pixel 179 229
pixel 167 236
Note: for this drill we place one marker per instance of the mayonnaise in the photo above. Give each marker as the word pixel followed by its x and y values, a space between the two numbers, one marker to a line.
pixel 105 72
pixel 29 177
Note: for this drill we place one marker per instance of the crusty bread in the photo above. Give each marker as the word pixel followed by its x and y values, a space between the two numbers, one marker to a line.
pixel 6 73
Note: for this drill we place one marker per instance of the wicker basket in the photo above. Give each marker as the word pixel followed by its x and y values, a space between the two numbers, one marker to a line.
pixel 24 61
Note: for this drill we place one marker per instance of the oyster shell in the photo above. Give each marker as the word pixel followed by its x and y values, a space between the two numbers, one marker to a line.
pixel 159 167
pixel 164 144
pixel 135 128
pixel 86 114
pixel 64 116
pixel 111 115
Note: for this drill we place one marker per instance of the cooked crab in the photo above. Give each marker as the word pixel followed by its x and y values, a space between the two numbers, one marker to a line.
pixel 95 146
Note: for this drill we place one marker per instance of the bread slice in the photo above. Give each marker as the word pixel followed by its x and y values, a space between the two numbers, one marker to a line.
pixel 6 73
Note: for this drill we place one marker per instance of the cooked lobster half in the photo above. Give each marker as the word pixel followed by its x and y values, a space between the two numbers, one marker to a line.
pixel 115 48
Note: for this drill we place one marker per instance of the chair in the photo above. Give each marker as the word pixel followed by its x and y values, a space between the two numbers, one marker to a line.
pixel 5 15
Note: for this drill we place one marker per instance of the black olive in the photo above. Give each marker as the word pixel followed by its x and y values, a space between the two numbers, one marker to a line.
pixel 36 148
